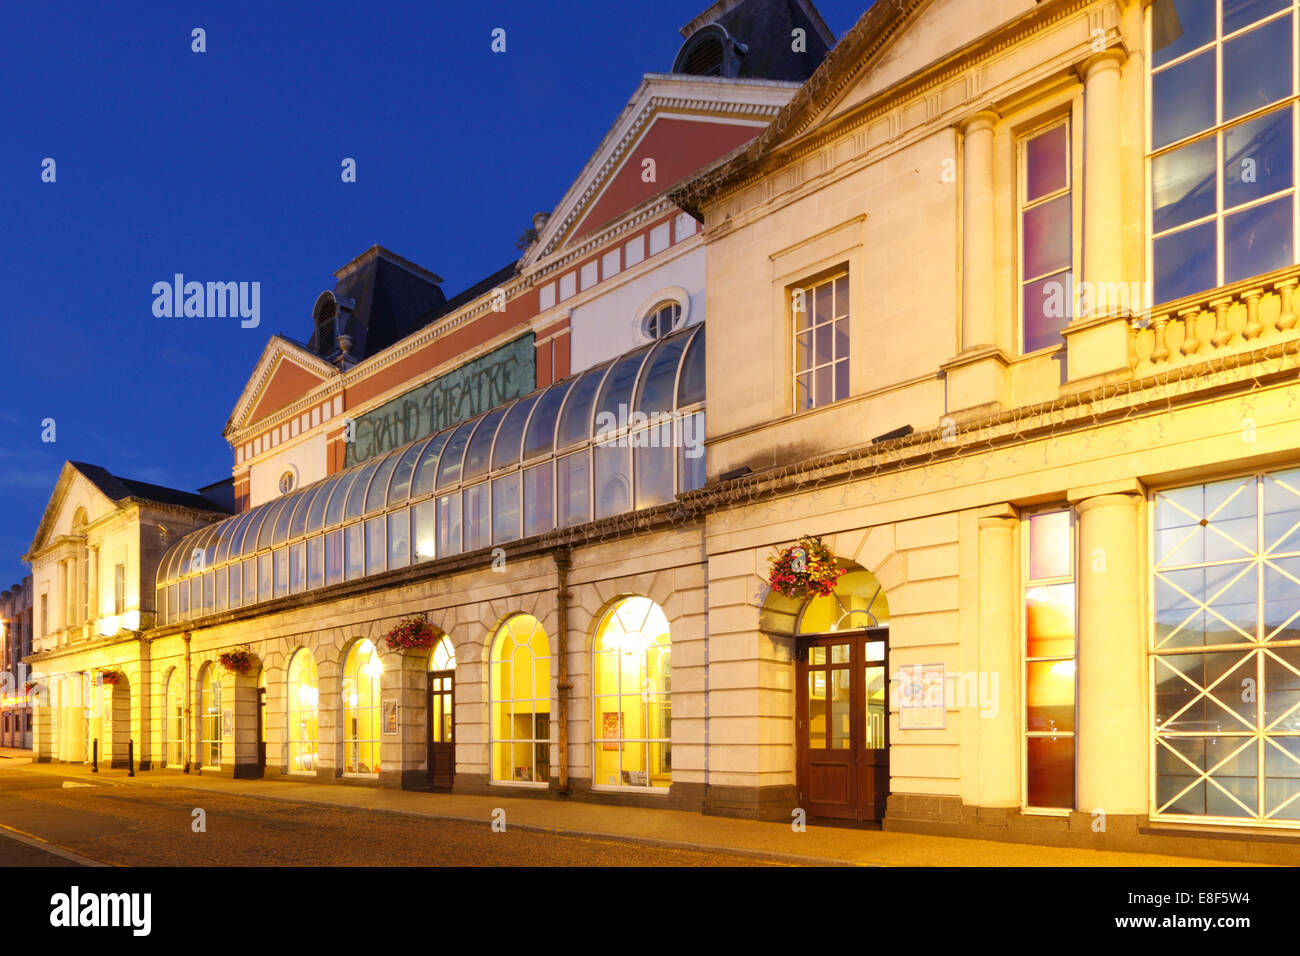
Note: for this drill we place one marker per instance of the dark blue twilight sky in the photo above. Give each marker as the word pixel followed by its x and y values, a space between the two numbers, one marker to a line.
pixel 225 165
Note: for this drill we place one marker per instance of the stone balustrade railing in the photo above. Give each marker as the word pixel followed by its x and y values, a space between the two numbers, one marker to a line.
pixel 1235 318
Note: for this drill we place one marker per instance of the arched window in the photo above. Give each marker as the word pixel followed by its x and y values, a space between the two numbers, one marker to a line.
pixel 304 713
pixel 519 702
pixel 174 720
pixel 361 718
pixel 858 601
pixel 209 717
pixel 632 697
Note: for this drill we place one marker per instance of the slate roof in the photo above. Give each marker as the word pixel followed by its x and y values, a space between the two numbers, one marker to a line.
pixel 118 488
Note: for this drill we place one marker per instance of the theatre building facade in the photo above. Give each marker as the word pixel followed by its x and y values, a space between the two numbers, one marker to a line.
pixel 1000 313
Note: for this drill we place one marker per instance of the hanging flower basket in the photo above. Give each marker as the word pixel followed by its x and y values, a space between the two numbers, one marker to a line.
pixel 238 661
pixel 804 569
pixel 112 677
pixel 411 632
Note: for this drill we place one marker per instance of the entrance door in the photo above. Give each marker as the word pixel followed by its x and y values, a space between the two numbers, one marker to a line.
pixel 261 729
pixel 442 729
pixel 843 724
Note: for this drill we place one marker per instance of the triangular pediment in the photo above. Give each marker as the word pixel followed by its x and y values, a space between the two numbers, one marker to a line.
pixel 682 123
pixel 73 491
pixel 285 372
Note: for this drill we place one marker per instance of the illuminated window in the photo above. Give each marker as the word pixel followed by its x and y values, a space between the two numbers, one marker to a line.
pixel 442 662
pixel 1050 656
pixel 1226 647
pixel 174 720
pixel 361 708
pixel 1046 237
pixel 632 697
pixel 304 713
pixel 821 343
pixel 1222 154
pixel 519 702
pixel 209 717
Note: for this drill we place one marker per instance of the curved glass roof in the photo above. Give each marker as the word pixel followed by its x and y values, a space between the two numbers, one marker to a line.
pixel 522 468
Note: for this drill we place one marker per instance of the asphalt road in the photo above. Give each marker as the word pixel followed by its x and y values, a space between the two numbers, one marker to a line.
pixel 124 825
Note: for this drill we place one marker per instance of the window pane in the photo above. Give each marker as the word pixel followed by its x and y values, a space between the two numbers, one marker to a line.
pixel 250 582
pixel 823 386
pixel 1241 13
pixel 283 518
pixel 1256 68
pixel 399 539
pixel 1257 240
pixel 377 495
pixel 423 530
pixel 375 550
pixel 316 516
pixel 1185 263
pixel 573 479
pixel 298 525
pixel 691 458
pixel 1047 166
pixel 476 517
pixel 357 493
pixel 354 554
pixel 1049 622
pixel 539 500
pixel 1257 158
pixel 427 468
pixel 264 577
pixel 803 397
pixel 265 536
pixel 505 508
pixel 575 420
pixel 452 456
pixel 1051 772
pixel 616 394
pixel 540 437
pixel 613 480
pixel 334 511
pixel 479 450
pixel 1183 185
pixel 399 488
pixel 655 393
pixel 1180 26
pixel 1050 545
pixel 281 572
pixel 690 383
pixel 221 592
pixel 1047 238
pixel 334 557
pixel 1049 695
pixel 654 470
pixel 449 525
pixel 511 433
pixel 236 585
pixel 315 562
pixel 1183 100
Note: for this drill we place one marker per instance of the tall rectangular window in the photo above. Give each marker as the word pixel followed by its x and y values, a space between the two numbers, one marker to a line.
pixel 45 614
pixel 821 342
pixel 1051 651
pixel 1221 144
pixel 1046 236
pixel 119 588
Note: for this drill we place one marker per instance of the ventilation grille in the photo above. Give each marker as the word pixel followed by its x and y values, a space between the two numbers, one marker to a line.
pixel 325 336
pixel 705 59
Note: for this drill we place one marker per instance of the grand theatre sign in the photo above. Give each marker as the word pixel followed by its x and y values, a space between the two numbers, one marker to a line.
pixel 503 374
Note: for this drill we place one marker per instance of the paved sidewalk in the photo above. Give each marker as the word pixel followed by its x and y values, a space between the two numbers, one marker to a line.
pixel 673 828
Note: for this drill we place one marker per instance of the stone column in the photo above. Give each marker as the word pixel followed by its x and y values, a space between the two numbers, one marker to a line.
pixel 60 601
pixel 1098 338
pixel 978 290
pixel 1000 740
pixel 93 609
pixel 1112 735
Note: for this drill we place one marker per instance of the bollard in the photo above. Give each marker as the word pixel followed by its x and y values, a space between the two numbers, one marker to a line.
pixel 130 758
pixel 94 756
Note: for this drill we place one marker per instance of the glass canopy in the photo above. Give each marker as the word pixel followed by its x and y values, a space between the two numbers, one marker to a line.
pixel 626 434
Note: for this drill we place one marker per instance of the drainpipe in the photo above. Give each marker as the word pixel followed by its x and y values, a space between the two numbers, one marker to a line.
pixel 189 701
pixel 563 686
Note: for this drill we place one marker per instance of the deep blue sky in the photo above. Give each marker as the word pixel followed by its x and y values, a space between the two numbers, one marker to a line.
pixel 225 166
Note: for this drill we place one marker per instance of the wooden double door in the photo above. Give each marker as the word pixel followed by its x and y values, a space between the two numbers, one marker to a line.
pixel 842 718
pixel 442 729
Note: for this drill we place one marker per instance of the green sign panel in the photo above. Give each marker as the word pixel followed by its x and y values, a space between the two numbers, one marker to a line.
pixel 503 374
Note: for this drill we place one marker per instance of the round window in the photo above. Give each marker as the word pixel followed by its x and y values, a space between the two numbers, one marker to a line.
pixel 287 482
pixel 661 320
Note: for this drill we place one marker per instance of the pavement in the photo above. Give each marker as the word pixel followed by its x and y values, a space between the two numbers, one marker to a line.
pixel 772 842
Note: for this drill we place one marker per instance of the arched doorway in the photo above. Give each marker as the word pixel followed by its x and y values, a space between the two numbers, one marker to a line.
pixel 442 715
pixel 842 700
